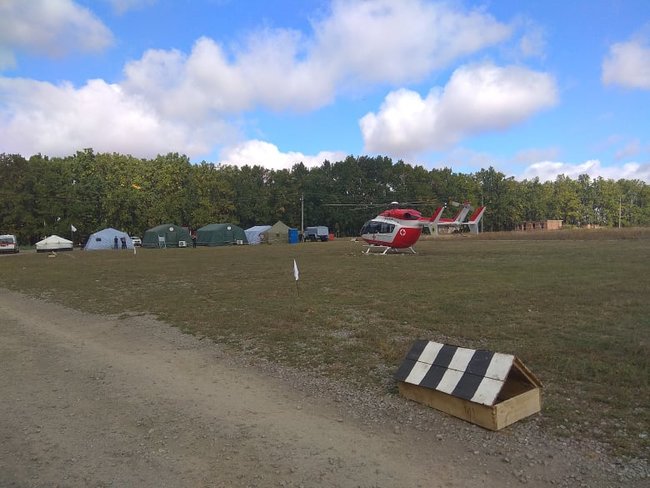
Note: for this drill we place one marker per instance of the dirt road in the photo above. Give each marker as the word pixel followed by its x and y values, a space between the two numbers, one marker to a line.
pixel 99 401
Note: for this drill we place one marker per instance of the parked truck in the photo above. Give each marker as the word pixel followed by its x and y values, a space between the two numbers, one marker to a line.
pixel 317 233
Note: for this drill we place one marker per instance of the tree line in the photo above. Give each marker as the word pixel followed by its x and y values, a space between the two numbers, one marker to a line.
pixel 90 191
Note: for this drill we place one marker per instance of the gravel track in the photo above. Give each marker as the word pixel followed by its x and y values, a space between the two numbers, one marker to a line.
pixel 105 401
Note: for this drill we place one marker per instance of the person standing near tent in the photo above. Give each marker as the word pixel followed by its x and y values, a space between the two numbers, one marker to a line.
pixel 115 243
pixel 123 240
pixel 194 239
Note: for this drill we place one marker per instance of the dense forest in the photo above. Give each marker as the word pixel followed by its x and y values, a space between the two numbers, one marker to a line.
pixel 41 195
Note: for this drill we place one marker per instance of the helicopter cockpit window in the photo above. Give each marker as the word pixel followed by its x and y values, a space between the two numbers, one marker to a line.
pixel 374 227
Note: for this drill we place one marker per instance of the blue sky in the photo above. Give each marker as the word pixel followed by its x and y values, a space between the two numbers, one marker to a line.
pixel 533 88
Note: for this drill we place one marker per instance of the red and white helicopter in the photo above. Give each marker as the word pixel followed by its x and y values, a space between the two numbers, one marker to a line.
pixel 400 228
pixel 397 228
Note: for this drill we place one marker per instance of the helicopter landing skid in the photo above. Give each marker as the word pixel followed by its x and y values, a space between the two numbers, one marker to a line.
pixel 386 249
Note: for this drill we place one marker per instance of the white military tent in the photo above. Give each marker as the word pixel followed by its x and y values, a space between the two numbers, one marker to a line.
pixel 253 235
pixel 53 243
pixel 105 239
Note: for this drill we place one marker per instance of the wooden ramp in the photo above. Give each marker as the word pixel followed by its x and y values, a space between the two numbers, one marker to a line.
pixel 489 389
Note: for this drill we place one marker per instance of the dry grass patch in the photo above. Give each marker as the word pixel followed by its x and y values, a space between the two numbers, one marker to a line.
pixel 574 310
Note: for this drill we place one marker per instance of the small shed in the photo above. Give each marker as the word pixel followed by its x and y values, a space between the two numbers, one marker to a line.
pixel 220 235
pixel 54 243
pixel 166 235
pixel 539 225
pixel 278 233
pixel 489 389
pixel 254 234
pixel 105 239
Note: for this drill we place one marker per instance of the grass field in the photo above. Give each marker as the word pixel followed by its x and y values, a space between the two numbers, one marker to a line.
pixel 575 309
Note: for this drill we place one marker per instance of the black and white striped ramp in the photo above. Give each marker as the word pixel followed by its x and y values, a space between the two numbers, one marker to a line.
pixel 474 375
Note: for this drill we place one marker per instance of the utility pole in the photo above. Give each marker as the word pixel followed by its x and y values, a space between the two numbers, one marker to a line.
pixel 302 215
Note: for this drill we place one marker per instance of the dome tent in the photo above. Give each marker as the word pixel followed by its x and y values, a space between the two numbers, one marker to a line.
pixel 105 239
pixel 166 235
pixel 220 235
pixel 54 243
pixel 254 234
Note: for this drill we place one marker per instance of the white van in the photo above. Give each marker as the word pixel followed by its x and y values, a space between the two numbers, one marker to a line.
pixel 8 243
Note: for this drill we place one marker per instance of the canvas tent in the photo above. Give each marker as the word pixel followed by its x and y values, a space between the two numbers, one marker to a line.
pixel 220 235
pixel 53 243
pixel 279 232
pixel 105 239
pixel 254 234
pixel 166 235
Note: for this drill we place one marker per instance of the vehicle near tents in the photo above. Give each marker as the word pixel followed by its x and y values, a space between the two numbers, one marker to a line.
pixel 166 235
pixel 220 235
pixel 8 243
pixel 254 234
pixel 105 239
pixel 317 233
pixel 54 243
pixel 278 233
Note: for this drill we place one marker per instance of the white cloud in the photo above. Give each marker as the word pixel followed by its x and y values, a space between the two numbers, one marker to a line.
pixel 49 27
pixel 631 149
pixel 396 42
pixel 59 119
pixel 533 42
pixel 255 152
pixel 207 82
pixel 122 6
pixel 478 98
pixel 180 99
pixel 527 156
pixel 549 170
pixel 628 64
pixel 283 69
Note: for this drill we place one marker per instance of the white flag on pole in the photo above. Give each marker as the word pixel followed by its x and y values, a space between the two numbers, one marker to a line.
pixel 296 273
pixel 73 228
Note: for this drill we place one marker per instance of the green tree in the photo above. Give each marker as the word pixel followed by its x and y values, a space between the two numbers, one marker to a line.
pixel 566 204
pixel 499 194
pixel 213 196
pixel 16 216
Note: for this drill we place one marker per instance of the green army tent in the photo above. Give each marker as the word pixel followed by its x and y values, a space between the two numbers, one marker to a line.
pixel 220 235
pixel 278 233
pixel 166 235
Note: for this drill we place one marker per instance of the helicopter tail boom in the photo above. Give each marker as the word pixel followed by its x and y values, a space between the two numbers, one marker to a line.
pixel 435 218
